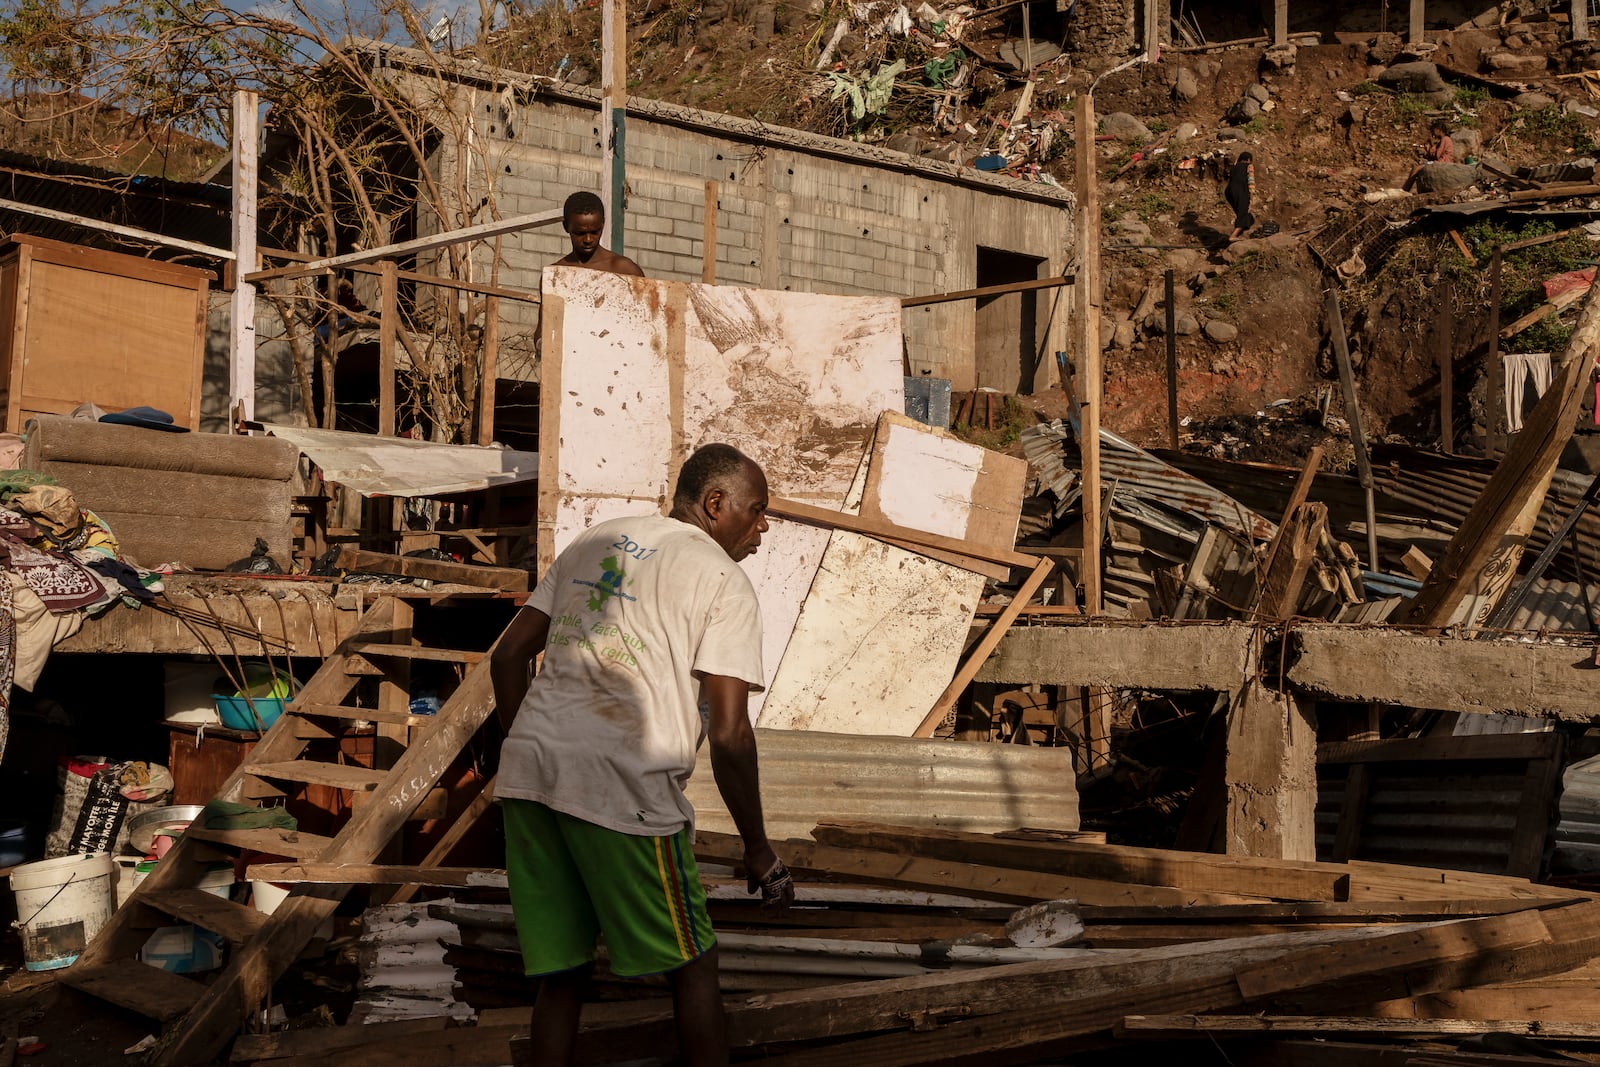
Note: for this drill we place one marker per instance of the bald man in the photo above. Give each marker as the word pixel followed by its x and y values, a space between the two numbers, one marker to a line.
pixel 651 637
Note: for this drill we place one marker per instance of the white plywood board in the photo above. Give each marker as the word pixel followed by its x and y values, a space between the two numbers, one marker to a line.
pixel 883 629
pixel 639 373
pixel 876 643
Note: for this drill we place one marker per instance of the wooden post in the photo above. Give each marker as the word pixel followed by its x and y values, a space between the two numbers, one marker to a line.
pixel 1280 22
pixel 1484 553
pixel 1415 35
pixel 490 369
pixel 1172 366
pixel 1352 414
pixel 388 330
pixel 613 118
pixel 708 264
pixel 1087 293
pixel 1447 369
pixel 1492 370
pixel 1152 26
pixel 242 327
pixel 1580 20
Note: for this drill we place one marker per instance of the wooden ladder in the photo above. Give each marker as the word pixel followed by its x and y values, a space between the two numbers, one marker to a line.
pixel 200 1019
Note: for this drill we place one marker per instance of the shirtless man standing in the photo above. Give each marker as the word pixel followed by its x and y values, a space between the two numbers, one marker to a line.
pixel 583 216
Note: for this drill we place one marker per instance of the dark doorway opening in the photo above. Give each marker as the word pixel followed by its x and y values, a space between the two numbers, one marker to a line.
pixel 1007 337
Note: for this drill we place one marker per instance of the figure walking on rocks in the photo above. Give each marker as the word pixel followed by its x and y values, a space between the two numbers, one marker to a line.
pixel 1241 187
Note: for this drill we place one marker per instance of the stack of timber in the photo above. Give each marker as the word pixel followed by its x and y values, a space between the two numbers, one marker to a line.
pixel 918 946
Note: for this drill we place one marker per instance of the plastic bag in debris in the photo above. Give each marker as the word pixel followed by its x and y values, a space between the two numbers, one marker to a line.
pixel 899 22
pixel 257 562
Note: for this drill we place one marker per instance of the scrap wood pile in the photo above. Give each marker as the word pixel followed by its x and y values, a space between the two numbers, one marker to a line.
pixel 919 946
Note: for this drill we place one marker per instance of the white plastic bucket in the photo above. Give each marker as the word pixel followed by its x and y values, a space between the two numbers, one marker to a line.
pixel 61 904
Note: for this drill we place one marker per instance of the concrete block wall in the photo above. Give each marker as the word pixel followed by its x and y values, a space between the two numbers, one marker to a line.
pixel 792 215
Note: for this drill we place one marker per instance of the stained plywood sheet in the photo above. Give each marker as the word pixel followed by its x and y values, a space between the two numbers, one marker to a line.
pixel 882 631
pixel 638 373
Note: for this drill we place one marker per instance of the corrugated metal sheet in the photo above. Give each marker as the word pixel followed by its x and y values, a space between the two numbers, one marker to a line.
pixel 807 776
pixel 1137 473
pixel 399 466
pixel 1578 825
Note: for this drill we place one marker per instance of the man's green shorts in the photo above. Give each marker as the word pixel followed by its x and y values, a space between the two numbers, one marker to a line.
pixel 571 880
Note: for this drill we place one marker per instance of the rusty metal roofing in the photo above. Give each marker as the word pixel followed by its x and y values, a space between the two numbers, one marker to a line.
pixel 808 776
pixel 1054 457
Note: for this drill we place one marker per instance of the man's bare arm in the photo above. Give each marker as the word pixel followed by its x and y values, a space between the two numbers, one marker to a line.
pixel 733 762
pixel 511 664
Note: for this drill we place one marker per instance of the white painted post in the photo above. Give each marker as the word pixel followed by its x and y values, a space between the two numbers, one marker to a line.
pixel 242 326
pixel 1415 34
pixel 1280 22
pixel 613 92
pixel 1580 20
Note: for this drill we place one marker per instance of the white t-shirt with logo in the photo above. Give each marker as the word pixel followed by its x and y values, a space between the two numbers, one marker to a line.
pixel 639 609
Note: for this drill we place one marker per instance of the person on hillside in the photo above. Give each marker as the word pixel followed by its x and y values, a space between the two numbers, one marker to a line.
pixel 583 216
pixel 1441 149
pixel 1241 188
pixel 651 637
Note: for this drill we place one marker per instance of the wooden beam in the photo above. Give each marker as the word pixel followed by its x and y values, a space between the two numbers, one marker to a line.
pixel 1415 34
pixel 1444 339
pixel 482 231
pixel 896 534
pixel 377 874
pixel 522 295
pixel 388 330
pixel 510 579
pixel 1492 369
pixel 1088 298
pixel 1296 549
pixel 1352 414
pixel 447 842
pixel 488 369
pixel 1170 1026
pixel 708 245
pixel 987 290
pixel 1280 22
pixel 242 305
pixel 613 118
pixel 1304 880
pixel 984 648
pixel 133 232
pixel 1580 19
pixel 1491 535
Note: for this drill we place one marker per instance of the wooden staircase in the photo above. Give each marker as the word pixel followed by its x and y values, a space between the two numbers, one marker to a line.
pixel 201 1018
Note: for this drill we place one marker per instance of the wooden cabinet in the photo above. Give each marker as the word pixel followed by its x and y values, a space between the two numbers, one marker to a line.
pixel 80 324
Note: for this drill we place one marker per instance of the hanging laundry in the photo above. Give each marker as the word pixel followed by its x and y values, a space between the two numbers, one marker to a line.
pixel 1518 367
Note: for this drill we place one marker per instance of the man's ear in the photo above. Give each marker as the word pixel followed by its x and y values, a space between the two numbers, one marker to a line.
pixel 715 499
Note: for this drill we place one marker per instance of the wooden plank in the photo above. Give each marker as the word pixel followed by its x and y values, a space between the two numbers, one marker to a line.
pixel 133 984
pixel 296 844
pixel 984 649
pixel 289 1044
pixel 311 772
pixel 355 714
pixel 1195 871
pixel 1088 297
pixel 436 655
pixel 235 922
pixel 895 534
pixel 708 245
pixel 1295 549
pixel 377 874
pixel 1472 261
pixel 1475 953
pixel 1223 1026
pixel 481 231
pixel 488 374
pixel 509 579
pixel 986 291
pixel 245 144
pixel 460 1046
pixel 388 332
pixel 1428 749
pixel 988 882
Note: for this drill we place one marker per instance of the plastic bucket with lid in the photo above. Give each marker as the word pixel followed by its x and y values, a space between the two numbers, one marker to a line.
pixel 61 904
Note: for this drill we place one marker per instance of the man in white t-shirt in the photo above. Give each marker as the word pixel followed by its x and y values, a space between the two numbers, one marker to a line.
pixel 651 637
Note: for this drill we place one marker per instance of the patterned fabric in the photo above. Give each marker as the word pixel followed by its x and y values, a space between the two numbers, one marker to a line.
pixel 63 584
pixel 8 646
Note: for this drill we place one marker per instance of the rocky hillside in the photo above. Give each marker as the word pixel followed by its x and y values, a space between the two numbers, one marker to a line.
pixel 1335 129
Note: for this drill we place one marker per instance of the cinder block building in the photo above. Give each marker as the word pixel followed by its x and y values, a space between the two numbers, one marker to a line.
pixel 794 211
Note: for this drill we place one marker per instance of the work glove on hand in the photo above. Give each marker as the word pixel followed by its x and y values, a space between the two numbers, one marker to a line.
pixel 777 887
